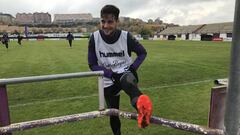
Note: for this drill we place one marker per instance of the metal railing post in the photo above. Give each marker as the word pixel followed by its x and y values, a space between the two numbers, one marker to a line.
pixel 101 93
pixel 217 107
pixel 4 109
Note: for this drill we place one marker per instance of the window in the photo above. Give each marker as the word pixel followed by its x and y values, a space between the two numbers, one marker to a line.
pixel 229 35
pixel 216 35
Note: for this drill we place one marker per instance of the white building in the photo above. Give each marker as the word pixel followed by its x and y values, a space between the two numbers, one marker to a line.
pixel 72 18
pixel 209 32
pixel 181 32
pixel 6 19
pixel 218 31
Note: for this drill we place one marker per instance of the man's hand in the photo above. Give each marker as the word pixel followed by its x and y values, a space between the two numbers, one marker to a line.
pixel 116 77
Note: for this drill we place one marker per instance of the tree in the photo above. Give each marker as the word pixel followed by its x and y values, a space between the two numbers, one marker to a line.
pixel 15 32
pixel 54 30
pixel 150 21
pixel 60 29
pixel 79 29
pixel 158 21
pixel 145 31
pixel 34 30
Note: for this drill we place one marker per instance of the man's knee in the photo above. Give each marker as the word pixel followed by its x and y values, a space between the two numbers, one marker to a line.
pixel 128 81
pixel 129 85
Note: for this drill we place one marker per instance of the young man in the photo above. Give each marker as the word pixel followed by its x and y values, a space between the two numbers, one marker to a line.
pixel 70 38
pixel 110 50
pixel 5 40
pixel 19 38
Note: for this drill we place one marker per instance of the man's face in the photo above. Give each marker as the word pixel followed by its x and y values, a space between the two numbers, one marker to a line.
pixel 108 24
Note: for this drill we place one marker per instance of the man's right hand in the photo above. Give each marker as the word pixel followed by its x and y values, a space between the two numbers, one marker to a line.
pixel 116 77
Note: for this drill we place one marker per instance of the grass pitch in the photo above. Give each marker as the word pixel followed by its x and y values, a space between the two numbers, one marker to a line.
pixel 177 75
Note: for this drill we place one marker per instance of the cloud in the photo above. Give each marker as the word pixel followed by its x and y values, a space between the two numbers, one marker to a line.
pixel 186 12
pixel 182 12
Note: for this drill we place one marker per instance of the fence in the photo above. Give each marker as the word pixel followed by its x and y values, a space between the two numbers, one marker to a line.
pixel 7 128
pixel 4 108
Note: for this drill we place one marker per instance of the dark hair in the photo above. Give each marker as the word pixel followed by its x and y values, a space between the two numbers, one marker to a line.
pixel 110 9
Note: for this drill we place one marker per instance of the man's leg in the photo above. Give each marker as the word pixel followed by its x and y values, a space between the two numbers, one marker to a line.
pixel 129 84
pixel 140 102
pixel 19 42
pixel 112 100
pixel 6 44
pixel 70 43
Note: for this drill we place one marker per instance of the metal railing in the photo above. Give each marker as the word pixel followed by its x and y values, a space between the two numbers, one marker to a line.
pixel 109 112
pixel 4 107
pixel 7 128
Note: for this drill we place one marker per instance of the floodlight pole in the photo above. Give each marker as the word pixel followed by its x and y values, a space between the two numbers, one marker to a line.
pixel 232 112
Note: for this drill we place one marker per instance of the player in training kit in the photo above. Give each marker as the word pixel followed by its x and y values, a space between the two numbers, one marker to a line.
pixel 70 38
pixel 110 50
pixel 5 40
pixel 19 38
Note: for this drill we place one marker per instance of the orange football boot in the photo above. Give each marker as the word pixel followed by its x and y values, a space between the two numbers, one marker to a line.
pixel 144 106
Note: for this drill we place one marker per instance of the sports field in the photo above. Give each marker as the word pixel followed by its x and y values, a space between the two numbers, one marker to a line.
pixel 177 75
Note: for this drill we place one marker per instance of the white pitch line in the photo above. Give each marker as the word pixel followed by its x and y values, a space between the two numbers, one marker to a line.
pixel 174 85
pixel 95 95
pixel 53 100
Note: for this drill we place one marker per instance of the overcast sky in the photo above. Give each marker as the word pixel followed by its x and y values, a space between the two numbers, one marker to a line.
pixel 183 12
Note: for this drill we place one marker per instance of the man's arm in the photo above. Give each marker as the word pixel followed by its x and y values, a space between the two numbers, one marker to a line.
pixel 72 37
pixel 67 37
pixel 92 59
pixel 135 46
